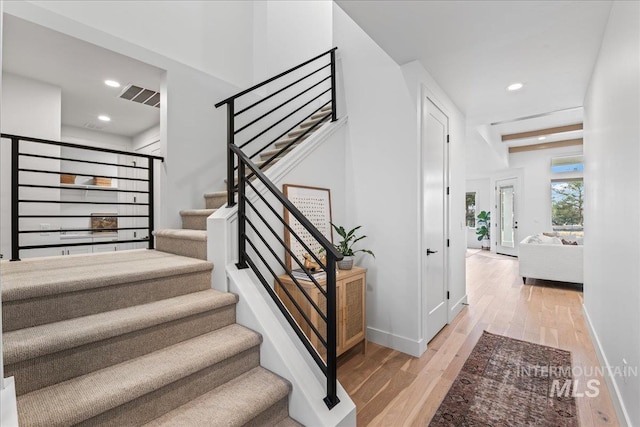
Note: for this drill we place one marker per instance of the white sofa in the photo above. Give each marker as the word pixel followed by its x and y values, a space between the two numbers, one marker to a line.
pixel 550 260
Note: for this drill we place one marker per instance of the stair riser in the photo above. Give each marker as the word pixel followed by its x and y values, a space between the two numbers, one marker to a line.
pixel 185 247
pixel 38 311
pixel 194 222
pixel 153 405
pixel 271 416
pixel 61 366
pixel 215 202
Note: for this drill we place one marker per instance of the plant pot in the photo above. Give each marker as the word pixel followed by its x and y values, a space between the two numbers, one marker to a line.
pixel 346 263
pixel 486 244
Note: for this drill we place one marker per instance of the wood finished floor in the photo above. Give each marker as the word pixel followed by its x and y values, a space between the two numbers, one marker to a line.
pixel 390 388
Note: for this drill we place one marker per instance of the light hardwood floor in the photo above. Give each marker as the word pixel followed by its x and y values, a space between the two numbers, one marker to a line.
pixel 390 388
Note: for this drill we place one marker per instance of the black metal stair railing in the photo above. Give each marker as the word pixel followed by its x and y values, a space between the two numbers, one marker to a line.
pixel 273 116
pixel 260 247
pixel 28 175
pixel 292 98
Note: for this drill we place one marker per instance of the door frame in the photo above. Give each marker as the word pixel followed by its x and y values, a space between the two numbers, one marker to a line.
pixel 498 213
pixel 518 175
pixel 427 96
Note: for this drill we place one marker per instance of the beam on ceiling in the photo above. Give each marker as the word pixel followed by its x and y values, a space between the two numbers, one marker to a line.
pixel 546 145
pixel 542 132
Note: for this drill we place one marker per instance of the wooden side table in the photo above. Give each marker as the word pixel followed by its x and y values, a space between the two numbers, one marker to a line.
pixel 351 307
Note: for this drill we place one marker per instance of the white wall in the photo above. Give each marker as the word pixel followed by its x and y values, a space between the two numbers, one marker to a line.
pixel 91 138
pixel 287 33
pixel 383 181
pixel 148 141
pixel 211 36
pixel 612 185
pixel 29 108
pixel 193 133
pixel 482 188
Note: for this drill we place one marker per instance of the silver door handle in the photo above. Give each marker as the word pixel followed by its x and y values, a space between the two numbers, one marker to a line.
pixel 429 252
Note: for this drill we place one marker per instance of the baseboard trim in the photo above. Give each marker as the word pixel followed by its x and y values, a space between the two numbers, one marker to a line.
pixel 457 308
pixel 397 342
pixel 618 403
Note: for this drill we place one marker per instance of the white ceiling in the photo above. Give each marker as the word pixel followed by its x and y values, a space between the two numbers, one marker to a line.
pixel 79 69
pixel 475 49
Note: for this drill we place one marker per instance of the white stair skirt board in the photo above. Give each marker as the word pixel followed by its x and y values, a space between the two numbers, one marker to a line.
pixel 8 404
pixel 621 410
pixel 282 353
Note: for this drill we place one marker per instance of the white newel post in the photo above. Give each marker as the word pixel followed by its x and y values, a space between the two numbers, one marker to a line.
pixel 222 244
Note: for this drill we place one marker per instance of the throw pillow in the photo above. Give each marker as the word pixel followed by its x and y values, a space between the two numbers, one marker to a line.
pixel 567 242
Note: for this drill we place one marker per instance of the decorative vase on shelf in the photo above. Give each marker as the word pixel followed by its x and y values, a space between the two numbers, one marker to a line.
pixel 346 263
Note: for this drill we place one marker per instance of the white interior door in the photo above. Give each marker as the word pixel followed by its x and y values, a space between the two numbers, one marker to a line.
pixel 507 222
pixel 435 156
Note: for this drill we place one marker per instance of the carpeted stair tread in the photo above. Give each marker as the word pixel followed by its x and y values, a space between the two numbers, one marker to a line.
pixel 235 403
pixel 321 113
pixel 216 199
pixel 28 343
pixel 38 277
pixel 286 141
pixel 196 235
pixel 266 155
pixel 312 121
pixel 288 422
pixel 84 397
pixel 197 212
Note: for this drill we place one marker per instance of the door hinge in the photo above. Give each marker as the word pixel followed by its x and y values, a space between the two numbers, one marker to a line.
pixel 447 138
pixel 447 191
pixel 447 294
pixel 447 242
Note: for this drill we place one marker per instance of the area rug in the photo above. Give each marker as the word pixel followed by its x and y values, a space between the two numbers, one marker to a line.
pixel 508 382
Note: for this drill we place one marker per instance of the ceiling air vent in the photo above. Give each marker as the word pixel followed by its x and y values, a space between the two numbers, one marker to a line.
pixel 93 126
pixel 141 95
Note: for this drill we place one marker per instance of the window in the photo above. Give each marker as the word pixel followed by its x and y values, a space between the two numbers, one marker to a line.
pixel 567 164
pixel 470 209
pixel 567 204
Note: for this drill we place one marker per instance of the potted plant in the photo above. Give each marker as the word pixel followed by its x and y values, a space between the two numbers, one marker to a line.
pixel 483 229
pixel 345 246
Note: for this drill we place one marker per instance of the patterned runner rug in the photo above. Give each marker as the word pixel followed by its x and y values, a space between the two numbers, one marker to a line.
pixel 508 382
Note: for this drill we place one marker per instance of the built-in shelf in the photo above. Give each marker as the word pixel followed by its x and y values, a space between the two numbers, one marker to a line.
pixel 88 186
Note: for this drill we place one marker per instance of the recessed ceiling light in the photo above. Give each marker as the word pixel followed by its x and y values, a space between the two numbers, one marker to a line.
pixel 104 118
pixel 515 86
pixel 112 83
pixel 542 138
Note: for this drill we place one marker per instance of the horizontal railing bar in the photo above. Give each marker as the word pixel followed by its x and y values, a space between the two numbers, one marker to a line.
pixel 295 281
pixel 284 288
pixel 72 230
pixel 308 131
pixel 82 216
pixel 284 73
pixel 82 202
pixel 82 147
pixel 68 159
pixel 283 308
pixel 287 131
pixel 286 247
pixel 282 120
pixel 328 246
pixel 80 174
pixel 83 187
pixel 64 245
pixel 281 105
pixel 280 90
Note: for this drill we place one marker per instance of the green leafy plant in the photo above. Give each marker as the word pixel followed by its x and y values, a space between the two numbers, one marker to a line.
pixel 349 238
pixel 483 229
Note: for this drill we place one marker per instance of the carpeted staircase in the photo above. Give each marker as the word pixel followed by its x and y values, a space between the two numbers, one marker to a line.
pixel 136 337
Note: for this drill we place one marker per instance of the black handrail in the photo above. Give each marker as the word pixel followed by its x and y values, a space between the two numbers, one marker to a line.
pixel 284 73
pixel 309 91
pixel 16 200
pixel 245 260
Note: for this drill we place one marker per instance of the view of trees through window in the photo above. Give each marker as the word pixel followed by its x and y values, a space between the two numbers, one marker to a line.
pixel 470 209
pixel 567 206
